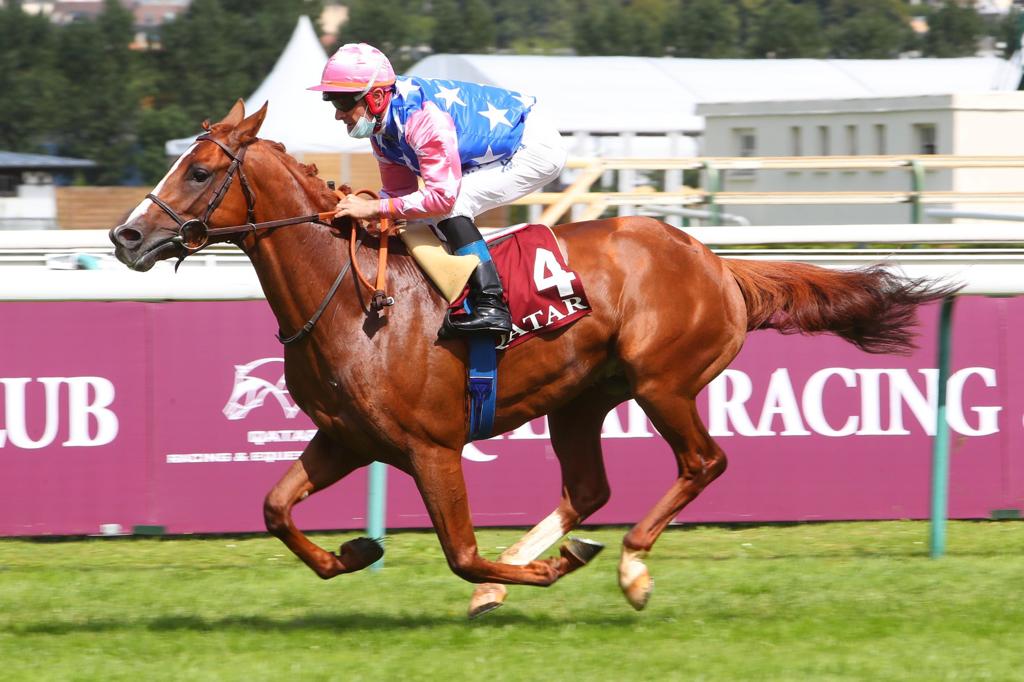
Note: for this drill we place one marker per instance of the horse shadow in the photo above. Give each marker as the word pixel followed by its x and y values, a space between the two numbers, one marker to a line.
pixel 316 622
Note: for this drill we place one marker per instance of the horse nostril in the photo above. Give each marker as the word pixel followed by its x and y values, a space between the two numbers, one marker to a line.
pixel 127 237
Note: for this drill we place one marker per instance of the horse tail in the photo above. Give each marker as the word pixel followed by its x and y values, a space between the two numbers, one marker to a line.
pixel 872 308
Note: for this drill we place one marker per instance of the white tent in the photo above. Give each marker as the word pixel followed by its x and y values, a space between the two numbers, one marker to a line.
pixel 296 117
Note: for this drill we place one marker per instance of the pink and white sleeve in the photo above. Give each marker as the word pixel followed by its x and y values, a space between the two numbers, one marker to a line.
pixel 431 134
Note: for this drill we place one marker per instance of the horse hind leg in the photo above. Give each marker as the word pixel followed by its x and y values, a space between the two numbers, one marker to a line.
pixel 320 465
pixel 699 460
pixel 576 438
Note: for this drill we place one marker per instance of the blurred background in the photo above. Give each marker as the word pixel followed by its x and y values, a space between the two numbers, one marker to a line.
pixel 95 94
pixel 835 132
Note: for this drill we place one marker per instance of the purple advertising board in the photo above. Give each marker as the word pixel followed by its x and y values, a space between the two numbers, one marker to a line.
pixel 115 415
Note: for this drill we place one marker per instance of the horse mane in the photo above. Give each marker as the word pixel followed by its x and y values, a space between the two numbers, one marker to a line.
pixel 316 188
pixel 308 175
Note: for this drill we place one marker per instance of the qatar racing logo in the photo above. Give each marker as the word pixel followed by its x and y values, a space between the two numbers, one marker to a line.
pixel 251 390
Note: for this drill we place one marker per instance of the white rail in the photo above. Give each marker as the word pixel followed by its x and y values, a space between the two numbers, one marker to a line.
pixel 40 265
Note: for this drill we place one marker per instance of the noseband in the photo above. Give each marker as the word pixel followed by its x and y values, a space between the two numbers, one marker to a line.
pixel 194 234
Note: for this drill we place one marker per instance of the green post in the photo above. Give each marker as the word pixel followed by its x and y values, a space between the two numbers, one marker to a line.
pixel 714 186
pixel 917 186
pixel 375 505
pixel 940 446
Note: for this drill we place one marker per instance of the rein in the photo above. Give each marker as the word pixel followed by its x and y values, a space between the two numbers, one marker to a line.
pixel 379 298
pixel 195 234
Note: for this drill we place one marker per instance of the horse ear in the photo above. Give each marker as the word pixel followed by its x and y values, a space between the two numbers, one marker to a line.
pixel 234 116
pixel 250 127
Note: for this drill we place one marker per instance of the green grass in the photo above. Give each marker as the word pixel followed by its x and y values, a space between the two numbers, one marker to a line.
pixel 839 601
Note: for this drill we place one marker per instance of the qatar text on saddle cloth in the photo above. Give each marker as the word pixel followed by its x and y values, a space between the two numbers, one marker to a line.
pixel 543 293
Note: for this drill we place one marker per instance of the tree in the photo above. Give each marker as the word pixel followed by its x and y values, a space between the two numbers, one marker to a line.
pixel 785 29
pixel 631 27
pixel 533 25
pixel 953 31
pixel 462 26
pixel 392 27
pixel 29 80
pixel 867 29
pixel 1009 31
pixel 204 63
pixel 155 127
pixel 98 121
pixel 705 28
pixel 589 36
pixel 646 22
pixel 263 29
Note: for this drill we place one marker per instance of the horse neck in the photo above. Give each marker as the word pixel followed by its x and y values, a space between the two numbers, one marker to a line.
pixel 295 264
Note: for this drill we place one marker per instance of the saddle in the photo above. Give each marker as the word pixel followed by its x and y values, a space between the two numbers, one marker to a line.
pixel 449 273
pixel 542 292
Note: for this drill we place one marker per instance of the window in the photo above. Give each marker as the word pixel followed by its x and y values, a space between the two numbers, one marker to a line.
pixel 796 141
pixel 744 142
pixel 880 145
pixel 824 146
pixel 851 141
pixel 9 184
pixel 925 138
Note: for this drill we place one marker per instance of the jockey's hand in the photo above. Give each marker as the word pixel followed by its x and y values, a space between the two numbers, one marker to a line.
pixel 355 206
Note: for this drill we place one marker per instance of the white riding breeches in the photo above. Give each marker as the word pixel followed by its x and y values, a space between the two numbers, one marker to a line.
pixel 538 161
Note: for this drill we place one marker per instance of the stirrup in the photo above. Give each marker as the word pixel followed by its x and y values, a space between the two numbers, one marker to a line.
pixel 450 329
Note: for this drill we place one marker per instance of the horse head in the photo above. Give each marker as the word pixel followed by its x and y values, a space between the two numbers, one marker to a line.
pixel 199 190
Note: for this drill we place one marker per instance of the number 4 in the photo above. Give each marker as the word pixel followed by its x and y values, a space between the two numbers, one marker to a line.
pixel 544 263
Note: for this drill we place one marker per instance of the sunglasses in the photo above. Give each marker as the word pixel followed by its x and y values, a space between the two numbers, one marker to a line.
pixel 345 101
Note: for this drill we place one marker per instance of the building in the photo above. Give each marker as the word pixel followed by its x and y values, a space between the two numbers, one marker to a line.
pixel 28 191
pixel 965 124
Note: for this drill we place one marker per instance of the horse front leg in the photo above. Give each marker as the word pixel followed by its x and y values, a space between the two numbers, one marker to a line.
pixel 438 475
pixel 321 464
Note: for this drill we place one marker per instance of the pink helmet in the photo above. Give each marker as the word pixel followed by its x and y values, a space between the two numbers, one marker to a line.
pixel 356 67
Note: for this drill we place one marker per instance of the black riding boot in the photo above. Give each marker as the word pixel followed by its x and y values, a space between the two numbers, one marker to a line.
pixel 488 312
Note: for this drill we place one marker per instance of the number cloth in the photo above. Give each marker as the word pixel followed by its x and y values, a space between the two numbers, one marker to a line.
pixel 543 293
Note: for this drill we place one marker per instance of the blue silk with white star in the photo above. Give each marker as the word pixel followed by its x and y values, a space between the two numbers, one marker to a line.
pixel 488 120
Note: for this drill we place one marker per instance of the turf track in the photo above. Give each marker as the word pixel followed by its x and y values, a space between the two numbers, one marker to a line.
pixel 838 601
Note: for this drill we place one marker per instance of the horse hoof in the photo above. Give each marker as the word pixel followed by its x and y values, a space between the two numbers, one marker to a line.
pixel 582 550
pixel 484 608
pixel 359 553
pixel 639 591
pixel 634 579
pixel 486 598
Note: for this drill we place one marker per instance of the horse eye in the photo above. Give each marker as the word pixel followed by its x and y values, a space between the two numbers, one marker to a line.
pixel 200 175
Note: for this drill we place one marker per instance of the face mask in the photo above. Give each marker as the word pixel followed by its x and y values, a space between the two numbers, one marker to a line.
pixel 363 128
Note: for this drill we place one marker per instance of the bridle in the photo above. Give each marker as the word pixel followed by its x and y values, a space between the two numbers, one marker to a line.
pixel 195 234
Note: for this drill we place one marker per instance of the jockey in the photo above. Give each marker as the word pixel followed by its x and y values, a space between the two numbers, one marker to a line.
pixel 474 147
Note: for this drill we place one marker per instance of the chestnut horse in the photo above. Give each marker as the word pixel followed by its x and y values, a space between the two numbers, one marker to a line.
pixel 668 316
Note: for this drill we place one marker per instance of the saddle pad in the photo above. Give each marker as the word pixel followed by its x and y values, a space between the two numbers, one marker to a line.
pixel 543 294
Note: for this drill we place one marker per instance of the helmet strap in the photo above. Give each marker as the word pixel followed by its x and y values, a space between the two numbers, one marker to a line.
pixel 371 82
